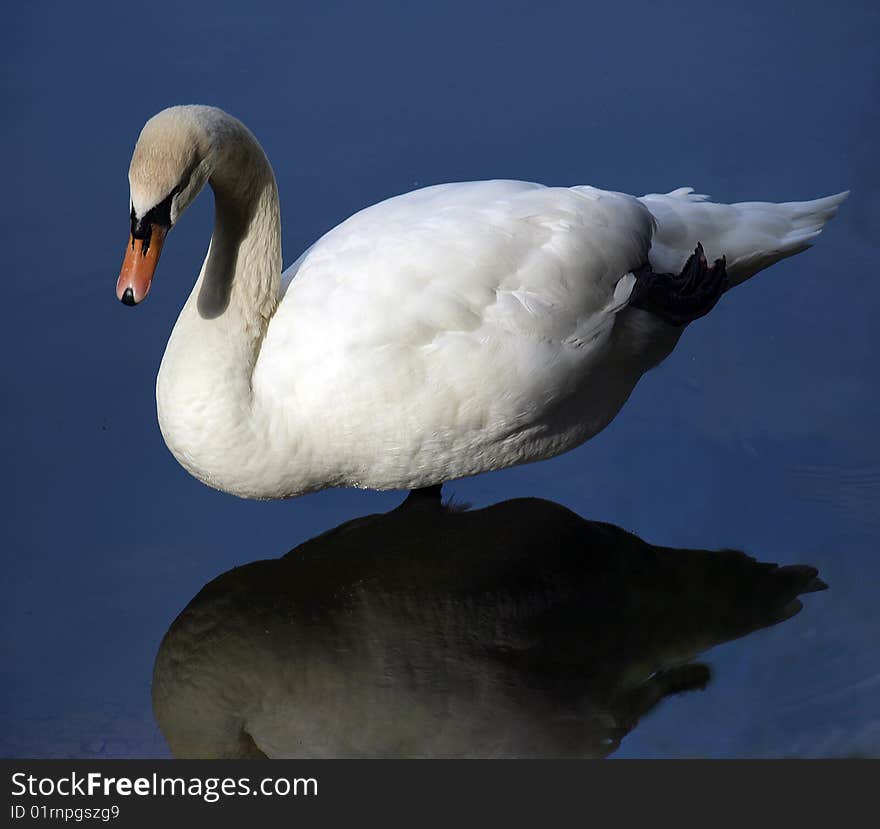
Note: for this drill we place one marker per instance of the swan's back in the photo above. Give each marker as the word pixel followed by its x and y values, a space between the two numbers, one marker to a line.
pixel 481 260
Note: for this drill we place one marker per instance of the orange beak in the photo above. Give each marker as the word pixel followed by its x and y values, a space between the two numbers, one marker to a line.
pixel 139 265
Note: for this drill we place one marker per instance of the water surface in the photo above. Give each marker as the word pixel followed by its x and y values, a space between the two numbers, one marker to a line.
pixel 759 432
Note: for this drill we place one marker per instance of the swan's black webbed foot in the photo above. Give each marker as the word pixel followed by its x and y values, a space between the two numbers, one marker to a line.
pixel 428 495
pixel 634 704
pixel 682 298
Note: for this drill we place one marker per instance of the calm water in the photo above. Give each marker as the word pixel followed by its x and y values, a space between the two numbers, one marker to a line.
pixel 759 433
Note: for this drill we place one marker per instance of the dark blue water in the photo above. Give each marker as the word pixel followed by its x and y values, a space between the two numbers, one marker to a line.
pixel 759 432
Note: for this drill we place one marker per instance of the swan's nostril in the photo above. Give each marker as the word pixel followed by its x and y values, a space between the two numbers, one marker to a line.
pixel 128 297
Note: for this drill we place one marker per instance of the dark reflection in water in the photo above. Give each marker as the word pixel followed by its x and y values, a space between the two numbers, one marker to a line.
pixel 516 630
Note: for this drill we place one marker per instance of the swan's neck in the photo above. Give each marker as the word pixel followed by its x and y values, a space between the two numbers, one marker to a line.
pixel 204 390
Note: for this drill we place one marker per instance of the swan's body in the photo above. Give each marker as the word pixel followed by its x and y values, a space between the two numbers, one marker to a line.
pixel 441 333
pixel 519 630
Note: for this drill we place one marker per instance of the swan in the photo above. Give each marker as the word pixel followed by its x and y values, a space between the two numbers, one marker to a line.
pixel 518 630
pixel 445 332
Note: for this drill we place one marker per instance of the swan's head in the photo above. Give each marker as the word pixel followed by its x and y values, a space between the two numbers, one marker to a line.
pixel 172 160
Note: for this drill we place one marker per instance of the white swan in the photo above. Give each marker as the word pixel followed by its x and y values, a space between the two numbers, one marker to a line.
pixel 441 333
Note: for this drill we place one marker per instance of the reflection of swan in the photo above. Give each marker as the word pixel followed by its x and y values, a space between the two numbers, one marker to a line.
pixel 441 333
pixel 516 630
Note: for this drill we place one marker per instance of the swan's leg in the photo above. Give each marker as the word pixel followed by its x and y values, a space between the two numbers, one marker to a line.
pixel 681 298
pixel 425 495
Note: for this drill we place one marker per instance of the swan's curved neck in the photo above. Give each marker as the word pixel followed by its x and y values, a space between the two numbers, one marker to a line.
pixel 242 272
pixel 204 389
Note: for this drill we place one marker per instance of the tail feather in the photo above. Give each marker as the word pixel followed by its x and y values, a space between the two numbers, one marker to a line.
pixel 752 235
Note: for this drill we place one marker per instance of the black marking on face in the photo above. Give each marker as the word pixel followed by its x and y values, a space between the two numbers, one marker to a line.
pixel 142 228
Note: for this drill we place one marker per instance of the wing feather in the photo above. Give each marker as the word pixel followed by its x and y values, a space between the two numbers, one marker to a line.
pixel 453 284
